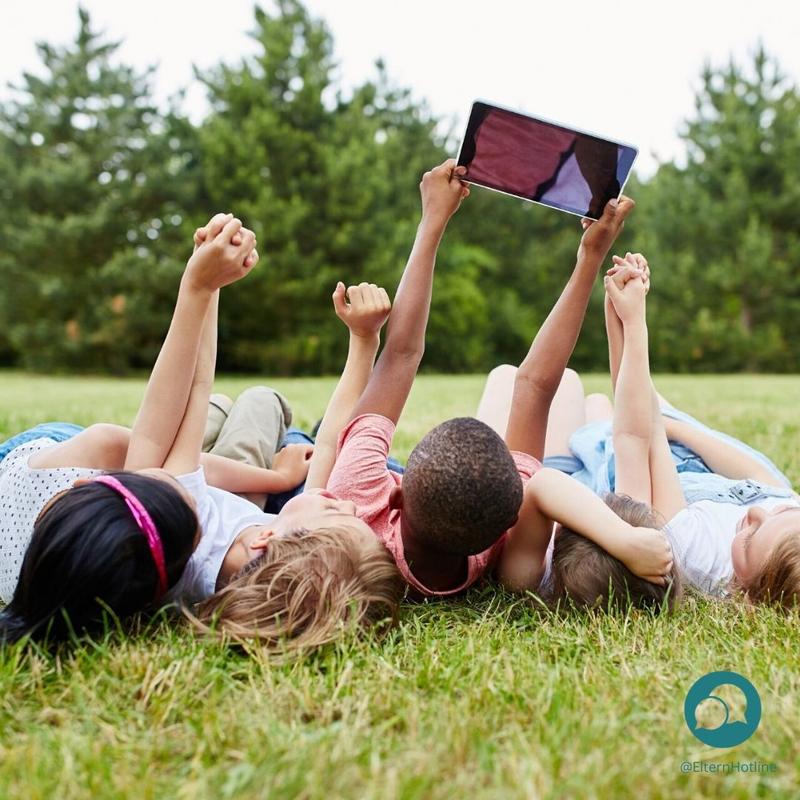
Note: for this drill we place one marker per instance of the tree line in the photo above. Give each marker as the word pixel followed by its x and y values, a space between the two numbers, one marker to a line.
pixel 101 189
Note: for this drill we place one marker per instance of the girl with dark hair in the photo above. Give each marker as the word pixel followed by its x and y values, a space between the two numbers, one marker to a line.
pixel 118 542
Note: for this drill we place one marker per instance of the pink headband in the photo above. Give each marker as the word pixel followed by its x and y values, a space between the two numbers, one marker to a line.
pixel 145 523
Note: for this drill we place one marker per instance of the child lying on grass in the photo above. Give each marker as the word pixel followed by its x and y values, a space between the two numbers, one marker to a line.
pixel 744 534
pixel 157 533
pixel 314 571
pixel 118 540
pixel 460 509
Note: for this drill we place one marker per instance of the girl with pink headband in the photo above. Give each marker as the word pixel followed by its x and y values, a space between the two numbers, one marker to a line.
pixel 120 541
pixel 157 533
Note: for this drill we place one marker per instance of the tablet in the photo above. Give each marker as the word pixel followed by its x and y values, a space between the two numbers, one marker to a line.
pixel 542 161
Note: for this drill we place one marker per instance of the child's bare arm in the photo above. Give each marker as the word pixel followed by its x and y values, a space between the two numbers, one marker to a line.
pixel 540 372
pixel 100 446
pixel 614 331
pixel 167 393
pixel 240 478
pixel 551 496
pixel 658 485
pixel 632 427
pixel 614 334
pixel 721 457
pixel 668 498
pixel 364 316
pixel 522 561
pixel 393 376
pixel 184 453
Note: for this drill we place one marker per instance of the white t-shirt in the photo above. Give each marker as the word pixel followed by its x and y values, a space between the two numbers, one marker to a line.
pixel 24 492
pixel 701 537
pixel 222 516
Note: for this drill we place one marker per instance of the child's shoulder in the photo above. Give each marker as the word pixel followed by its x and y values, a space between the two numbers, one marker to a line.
pixel 526 464
pixel 371 420
pixel 368 427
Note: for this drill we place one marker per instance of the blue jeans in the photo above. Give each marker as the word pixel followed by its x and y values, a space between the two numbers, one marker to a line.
pixel 275 502
pixel 592 463
pixel 58 431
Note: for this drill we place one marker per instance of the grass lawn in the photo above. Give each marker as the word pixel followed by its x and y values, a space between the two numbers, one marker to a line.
pixel 489 697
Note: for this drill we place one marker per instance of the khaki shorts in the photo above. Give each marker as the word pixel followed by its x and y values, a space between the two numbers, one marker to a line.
pixel 250 429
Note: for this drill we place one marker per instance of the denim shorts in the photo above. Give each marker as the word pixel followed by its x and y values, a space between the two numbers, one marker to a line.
pixel 592 462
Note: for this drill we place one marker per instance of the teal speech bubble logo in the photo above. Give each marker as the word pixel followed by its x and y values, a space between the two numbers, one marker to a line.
pixel 722 709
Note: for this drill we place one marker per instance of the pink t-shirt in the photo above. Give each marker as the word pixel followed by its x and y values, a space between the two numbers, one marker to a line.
pixel 361 475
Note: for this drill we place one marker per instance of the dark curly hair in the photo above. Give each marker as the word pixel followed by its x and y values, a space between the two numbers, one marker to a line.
pixel 461 488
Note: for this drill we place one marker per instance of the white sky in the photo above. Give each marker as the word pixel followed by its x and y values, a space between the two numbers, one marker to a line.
pixel 621 68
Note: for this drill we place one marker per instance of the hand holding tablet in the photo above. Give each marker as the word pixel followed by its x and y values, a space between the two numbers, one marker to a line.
pixel 543 162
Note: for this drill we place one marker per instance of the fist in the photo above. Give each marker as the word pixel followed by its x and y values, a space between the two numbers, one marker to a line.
pixel 367 310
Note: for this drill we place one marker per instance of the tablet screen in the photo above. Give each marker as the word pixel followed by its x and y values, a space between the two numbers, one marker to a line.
pixel 543 162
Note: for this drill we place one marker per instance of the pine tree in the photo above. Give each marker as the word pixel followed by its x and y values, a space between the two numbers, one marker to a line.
pixel 723 230
pixel 92 181
pixel 328 180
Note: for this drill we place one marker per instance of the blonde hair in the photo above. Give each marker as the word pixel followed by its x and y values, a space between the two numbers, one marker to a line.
pixel 586 576
pixel 306 590
pixel 778 581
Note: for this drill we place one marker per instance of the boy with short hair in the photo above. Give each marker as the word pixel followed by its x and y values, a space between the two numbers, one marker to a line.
pixel 448 522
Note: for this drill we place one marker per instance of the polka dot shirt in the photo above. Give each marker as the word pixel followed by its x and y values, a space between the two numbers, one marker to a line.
pixel 24 492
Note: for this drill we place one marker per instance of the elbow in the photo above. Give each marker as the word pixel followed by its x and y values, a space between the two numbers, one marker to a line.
pixel 531 383
pixel 547 385
pixel 542 481
pixel 408 352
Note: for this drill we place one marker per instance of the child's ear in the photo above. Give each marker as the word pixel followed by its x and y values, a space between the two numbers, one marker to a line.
pixel 80 482
pixel 396 498
pixel 262 540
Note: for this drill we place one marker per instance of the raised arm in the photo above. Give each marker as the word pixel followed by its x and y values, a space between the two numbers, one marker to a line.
pixel 540 372
pixel 167 394
pixel 645 470
pixel 614 335
pixel 364 316
pixel 184 455
pixel 632 427
pixel 614 332
pixel 389 386
pixel 668 497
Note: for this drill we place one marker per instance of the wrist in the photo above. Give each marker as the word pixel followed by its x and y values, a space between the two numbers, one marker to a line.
pixel 591 257
pixel 616 541
pixel 191 288
pixel 635 324
pixel 432 225
pixel 278 482
pixel 370 339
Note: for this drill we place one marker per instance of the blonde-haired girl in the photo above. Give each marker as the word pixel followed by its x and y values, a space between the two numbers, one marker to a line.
pixel 299 580
pixel 745 535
